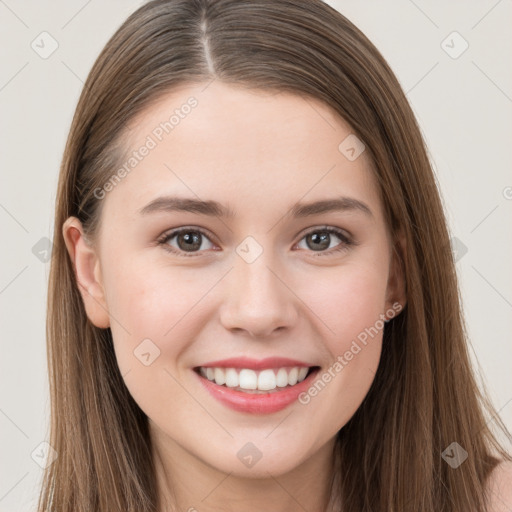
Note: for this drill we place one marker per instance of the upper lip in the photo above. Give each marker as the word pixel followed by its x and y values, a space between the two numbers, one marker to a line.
pixel 255 364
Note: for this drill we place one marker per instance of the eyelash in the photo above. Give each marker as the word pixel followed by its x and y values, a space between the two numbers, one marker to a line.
pixel 164 239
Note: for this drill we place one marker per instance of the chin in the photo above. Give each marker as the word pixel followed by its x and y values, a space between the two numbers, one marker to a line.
pixel 260 459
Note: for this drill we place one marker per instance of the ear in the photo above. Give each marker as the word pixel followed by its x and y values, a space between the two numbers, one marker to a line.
pixel 87 272
pixel 396 290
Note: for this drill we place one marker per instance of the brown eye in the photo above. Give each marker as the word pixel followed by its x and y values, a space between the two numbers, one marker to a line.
pixel 320 240
pixel 187 241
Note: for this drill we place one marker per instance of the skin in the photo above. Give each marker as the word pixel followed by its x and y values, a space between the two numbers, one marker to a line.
pixel 259 154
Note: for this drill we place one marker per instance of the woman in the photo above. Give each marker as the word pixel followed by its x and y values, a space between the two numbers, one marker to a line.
pixel 253 304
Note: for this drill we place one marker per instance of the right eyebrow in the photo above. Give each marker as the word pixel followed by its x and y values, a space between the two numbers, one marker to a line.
pixel 184 204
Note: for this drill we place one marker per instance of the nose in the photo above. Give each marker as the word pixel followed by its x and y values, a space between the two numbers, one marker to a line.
pixel 258 300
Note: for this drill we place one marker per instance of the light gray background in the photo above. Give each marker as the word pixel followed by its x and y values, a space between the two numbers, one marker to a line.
pixel 463 106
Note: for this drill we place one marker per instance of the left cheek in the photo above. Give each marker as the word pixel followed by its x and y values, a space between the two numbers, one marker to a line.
pixel 350 301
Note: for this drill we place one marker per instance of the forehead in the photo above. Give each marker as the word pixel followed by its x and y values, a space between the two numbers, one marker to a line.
pixel 235 145
pixel 245 121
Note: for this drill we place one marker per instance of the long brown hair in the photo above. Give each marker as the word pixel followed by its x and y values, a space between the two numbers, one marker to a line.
pixel 424 396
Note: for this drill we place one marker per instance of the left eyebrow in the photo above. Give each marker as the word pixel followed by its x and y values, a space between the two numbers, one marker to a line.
pixel 215 209
pixel 330 205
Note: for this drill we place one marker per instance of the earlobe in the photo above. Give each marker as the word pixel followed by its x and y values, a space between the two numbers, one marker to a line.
pixel 396 296
pixel 87 272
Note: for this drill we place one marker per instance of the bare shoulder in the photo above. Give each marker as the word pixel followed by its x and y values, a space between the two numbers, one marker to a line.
pixel 500 488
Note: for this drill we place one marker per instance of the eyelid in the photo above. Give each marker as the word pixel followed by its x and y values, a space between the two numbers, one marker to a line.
pixel 328 228
pixel 346 238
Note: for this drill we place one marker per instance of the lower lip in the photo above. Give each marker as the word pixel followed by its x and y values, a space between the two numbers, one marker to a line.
pixel 257 403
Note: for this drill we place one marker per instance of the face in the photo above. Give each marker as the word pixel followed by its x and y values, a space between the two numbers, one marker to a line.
pixel 248 328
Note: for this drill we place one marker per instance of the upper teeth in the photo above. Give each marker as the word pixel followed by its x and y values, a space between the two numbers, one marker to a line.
pixel 263 380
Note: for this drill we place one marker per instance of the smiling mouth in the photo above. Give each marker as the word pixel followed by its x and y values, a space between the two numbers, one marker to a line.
pixel 246 380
